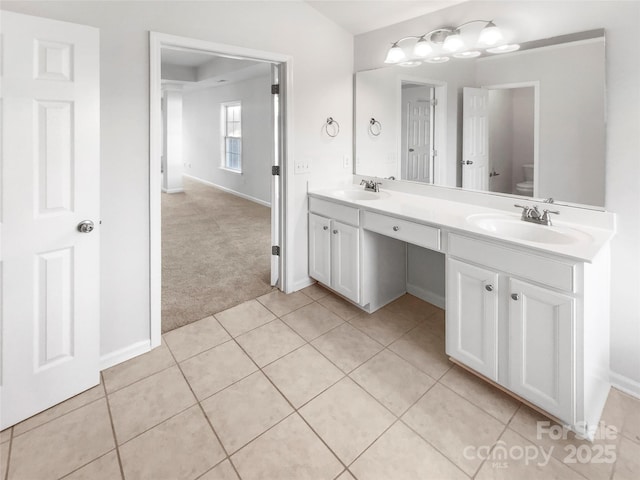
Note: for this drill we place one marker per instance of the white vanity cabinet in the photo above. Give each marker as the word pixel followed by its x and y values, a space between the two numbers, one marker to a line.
pixel 472 317
pixel 334 247
pixel 524 320
pixel 541 347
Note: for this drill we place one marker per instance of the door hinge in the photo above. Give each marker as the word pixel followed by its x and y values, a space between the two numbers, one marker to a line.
pixel 434 102
pixel 275 89
pixel 275 170
pixel 275 250
pixel 434 153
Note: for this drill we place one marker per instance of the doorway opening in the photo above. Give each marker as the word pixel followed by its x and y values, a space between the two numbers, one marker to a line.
pixel 216 189
pixel 500 138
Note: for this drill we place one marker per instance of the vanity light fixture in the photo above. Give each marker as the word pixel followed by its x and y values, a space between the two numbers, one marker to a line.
pixel 443 41
pixel 504 48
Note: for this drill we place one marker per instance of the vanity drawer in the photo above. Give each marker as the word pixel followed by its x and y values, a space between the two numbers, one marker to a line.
pixel 547 271
pixel 410 232
pixel 336 211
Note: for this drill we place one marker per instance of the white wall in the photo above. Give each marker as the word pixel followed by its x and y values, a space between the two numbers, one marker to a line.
pixel 322 86
pixel 202 141
pixel 533 20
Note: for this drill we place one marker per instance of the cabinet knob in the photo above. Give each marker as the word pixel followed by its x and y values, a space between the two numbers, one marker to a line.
pixel 325 228
pixel 515 296
pixel 488 288
pixel 396 228
pixel 335 231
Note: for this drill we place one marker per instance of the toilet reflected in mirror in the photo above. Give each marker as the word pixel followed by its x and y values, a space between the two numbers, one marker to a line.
pixel 526 187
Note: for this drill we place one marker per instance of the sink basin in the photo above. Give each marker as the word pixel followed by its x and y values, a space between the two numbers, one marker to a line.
pixel 358 194
pixel 512 227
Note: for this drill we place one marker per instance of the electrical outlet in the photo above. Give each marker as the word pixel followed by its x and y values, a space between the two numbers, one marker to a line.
pixel 346 161
pixel 302 166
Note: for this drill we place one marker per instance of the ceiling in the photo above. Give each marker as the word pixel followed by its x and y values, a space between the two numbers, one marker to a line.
pixel 360 16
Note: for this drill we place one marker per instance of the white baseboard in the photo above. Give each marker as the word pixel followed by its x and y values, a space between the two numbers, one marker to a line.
pixel 124 354
pixel 625 384
pixel 426 295
pixel 228 190
pixel 173 190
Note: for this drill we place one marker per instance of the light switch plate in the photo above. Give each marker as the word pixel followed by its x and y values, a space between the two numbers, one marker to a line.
pixel 302 166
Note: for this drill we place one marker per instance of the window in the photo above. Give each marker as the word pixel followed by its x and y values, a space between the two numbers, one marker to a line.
pixel 232 136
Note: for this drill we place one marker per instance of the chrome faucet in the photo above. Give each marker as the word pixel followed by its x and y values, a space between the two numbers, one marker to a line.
pixel 533 215
pixel 371 185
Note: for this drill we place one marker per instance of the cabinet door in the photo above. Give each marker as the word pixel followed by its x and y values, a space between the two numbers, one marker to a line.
pixel 541 347
pixel 345 260
pixel 320 248
pixel 472 317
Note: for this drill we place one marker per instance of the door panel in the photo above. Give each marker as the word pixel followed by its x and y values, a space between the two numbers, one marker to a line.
pixel 50 161
pixel 345 263
pixel 276 180
pixel 541 347
pixel 475 143
pixel 320 248
pixel 472 317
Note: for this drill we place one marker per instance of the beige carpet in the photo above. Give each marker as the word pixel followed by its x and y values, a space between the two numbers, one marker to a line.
pixel 216 253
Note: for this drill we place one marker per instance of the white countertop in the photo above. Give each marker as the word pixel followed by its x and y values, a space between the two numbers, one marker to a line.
pixel 452 216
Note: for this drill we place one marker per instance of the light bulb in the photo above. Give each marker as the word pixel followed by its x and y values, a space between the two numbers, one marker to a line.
pixel 490 35
pixel 453 42
pixel 504 48
pixel 395 54
pixel 422 48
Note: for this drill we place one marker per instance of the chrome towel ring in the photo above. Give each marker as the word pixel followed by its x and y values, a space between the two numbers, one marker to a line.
pixel 375 127
pixel 332 127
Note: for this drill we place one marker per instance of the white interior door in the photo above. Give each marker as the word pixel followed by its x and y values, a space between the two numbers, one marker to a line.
pixel 475 141
pixel 278 130
pixel 418 165
pixel 50 165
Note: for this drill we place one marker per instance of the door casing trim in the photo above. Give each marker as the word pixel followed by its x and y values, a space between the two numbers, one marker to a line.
pixel 156 42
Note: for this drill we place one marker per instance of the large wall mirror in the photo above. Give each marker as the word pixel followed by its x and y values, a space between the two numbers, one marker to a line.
pixel 529 123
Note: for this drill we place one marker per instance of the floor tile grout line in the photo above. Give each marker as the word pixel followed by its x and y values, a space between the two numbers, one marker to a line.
pixel 113 427
pixel 138 380
pixel 478 406
pixel 54 418
pixel 201 352
pixel 435 448
pixel 398 419
pixel 526 439
pixel 226 453
pixel 90 462
pixel 295 410
pixel 14 435
pixel 506 427
pixel 287 313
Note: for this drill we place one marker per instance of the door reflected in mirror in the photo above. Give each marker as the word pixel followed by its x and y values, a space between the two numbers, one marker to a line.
pixel 529 123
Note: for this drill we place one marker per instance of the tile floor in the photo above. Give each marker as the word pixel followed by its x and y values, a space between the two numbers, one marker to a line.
pixel 305 386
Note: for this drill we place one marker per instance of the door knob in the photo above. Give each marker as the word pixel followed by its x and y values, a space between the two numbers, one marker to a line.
pixel 85 226
pixel 466 162
pixel 335 231
pixel 515 296
pixel 396 228
pixel 488 288
pixel 411 150
pixel 325 228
